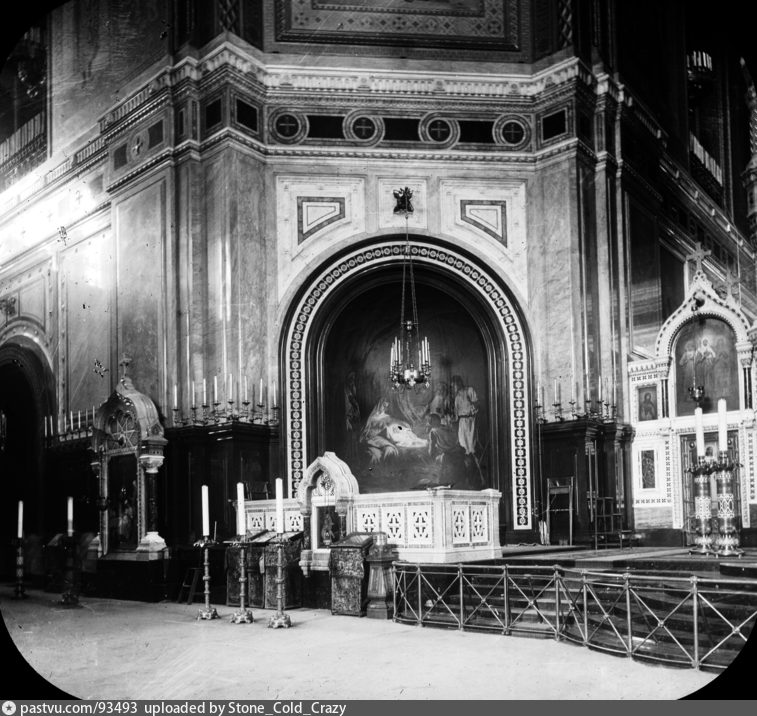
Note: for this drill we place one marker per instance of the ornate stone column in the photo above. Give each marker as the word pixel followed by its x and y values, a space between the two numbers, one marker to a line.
pixel 150 459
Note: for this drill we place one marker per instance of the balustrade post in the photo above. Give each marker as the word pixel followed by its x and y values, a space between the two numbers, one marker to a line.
pixel 629 621
pixel 557 601
pixel 420 596
pixel 695 613
pixel 506 599
pixel 460 590
pixel 394 591
pixel 586 607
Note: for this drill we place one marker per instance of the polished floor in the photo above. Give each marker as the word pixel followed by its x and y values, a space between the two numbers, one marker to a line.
pixel 113 649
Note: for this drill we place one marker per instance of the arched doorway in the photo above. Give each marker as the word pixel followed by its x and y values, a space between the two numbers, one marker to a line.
pixel 336 342
pixel 25 397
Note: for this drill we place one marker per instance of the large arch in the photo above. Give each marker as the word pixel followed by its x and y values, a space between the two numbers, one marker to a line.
pixel 26 396
pixel 300 336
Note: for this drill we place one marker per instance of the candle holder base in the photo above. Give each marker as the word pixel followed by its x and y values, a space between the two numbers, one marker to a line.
pixel 19 592
pixel 208 613
pixel 68 599
pixel 730 552
pixel 244 616
pixel 280 620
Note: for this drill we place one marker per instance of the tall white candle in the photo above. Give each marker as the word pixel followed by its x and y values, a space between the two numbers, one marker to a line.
pixel 193 394
pixel 274 395
pixel 260 402
pixel 78 419
pixel 45 425
pixel 215 388
pixel 20 519
pixel 204 391
pixel 70 516
pixel 245 389
pixel 205 512
pixel 279 505
pixel 175 396
pixel 230 395
pixel 722 426
pixel 241 527
pixel 699 431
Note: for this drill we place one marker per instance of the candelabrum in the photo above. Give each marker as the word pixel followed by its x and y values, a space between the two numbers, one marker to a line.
pixel 232 411
pixel 727 541
pixel 696 393
pixel 244 615
pixel 540 413
pixel 207 612
pixel 19 592
pixel 702 508
pixel 73 430
pixel 280 619
pixel 71 574
pixel 557 408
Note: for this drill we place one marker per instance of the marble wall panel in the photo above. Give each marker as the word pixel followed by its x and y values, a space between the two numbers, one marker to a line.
pixel 252 299
pixel 492 217
pixel 87 276
pixel 140 238
pixel 295 254
pixel 31 300
pixel 554 279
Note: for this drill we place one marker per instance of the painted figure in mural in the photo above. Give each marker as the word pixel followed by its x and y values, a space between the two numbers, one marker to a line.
pixel 647 408
pixel 444 447
pixel 351 416
pixel 466 409
pixel 705 363
pixel 441 404
pixel 384 436
pixel 686 362
pixel 125 517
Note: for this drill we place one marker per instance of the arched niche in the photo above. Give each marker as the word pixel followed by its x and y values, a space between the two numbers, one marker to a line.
pixel 127 446
pixel 325 494
pixel 482 297
pixel 706 341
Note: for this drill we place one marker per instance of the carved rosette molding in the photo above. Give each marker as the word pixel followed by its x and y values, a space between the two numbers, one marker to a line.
pixel 481 282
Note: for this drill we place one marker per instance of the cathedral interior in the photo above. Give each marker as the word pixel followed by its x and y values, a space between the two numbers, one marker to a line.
pixel 431 279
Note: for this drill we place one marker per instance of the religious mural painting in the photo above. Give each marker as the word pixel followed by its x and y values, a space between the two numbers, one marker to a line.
pixel 414 438
pixel 647 402
pixel 705 355
pixel 648 480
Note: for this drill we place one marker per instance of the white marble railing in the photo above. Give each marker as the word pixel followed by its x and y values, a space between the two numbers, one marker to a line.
pixel 437 526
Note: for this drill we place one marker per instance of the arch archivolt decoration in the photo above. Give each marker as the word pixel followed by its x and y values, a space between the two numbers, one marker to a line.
pixel 702 300
pixel 480 281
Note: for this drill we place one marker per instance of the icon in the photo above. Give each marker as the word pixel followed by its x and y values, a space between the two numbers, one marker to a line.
pixel 9 708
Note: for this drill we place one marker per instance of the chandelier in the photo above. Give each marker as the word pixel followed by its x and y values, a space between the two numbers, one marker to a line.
pixel 408 345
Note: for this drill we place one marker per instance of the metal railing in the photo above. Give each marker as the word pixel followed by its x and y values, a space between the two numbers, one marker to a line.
pixel 693 621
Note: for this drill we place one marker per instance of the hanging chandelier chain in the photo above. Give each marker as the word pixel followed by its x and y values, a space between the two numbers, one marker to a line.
pixel 409 345
pixel 404 277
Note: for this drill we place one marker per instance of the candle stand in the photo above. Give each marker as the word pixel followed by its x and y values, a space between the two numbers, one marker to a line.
pixel 70 595
pixel 280 619
pixel 244 615
pixel 207 612
pixel 727 541
pixel 19 591
pixel 702 510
